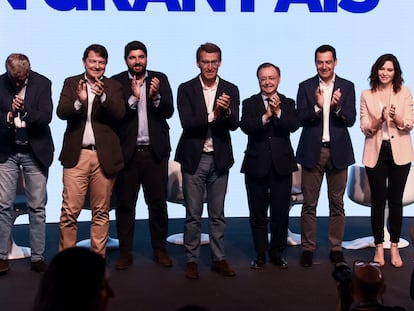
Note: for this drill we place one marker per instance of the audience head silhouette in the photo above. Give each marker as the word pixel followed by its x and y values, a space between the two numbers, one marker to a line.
pixel 367 286
pixel 368 281
pixel 75 280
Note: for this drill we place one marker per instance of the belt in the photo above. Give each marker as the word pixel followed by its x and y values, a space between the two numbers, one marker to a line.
pixel 89 147
pixel 21 148
pixel 326 144
pixel 141 148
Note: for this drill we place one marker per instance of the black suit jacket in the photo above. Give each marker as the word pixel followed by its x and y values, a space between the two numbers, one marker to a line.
pixel 309 147
pixel 194 121
pixel 39 108
pixel 268 145
pixel 157 117
pixel 104 118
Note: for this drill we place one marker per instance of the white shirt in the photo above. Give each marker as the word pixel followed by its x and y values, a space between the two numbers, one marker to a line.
pixel 327 89
pixel 209 96
pixel 88 134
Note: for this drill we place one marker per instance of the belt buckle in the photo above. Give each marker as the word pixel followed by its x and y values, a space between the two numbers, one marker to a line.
pixel 141 148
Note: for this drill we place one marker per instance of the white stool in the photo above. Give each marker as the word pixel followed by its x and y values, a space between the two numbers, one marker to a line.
pixel 358 191
pixel 175 195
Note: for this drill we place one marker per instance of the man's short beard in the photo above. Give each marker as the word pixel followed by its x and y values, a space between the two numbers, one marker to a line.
pixel 137 73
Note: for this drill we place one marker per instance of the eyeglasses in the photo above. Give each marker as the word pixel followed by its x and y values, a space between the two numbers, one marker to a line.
pixel 213 63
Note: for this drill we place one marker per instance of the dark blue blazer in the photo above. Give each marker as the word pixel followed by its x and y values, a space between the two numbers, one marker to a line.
pixel 268 145
pixel 309 147
pixel 194 121
pixel 39 108
pixel 157 118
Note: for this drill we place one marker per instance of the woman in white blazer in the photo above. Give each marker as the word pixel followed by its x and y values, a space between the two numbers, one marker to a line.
pixel 386 122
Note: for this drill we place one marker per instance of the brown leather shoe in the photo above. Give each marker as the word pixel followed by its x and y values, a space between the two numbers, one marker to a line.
pixel 39 266
pixel 192 271
pixel 124 261
pixel 223 268
pixel 161 257
pixel 4 266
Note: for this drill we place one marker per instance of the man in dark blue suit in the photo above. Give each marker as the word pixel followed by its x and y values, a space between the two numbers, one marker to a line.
pixel 209 109
pixel 145 141
pixel 268 118
pixel 326 108
pixel 25 141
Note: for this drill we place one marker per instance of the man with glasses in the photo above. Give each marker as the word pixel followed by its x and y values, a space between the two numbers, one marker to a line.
pixel 209 109
pixel 91 154
pixel 25 142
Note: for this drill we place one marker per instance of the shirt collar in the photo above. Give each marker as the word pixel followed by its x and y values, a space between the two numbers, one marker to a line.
pixel 87 80
pixel 205 87
pixel 264 96
pixel 130 76
pixel 332 82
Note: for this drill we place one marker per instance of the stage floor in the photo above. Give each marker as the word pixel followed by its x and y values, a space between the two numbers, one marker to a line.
pixel 147 286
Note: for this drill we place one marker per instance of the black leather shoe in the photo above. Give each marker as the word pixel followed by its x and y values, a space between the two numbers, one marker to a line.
pixel 257 262
pixel 280 262
pixel 306 259
pixel 336 257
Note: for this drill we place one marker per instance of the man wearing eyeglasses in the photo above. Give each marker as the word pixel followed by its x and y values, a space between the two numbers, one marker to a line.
pixel 208 107
pixel 25 142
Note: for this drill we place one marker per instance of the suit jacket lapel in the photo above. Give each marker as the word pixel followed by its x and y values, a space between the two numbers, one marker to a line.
pixel 198 89
pixel 261 108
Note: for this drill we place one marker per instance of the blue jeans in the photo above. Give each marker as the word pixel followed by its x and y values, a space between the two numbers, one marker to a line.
pixel 35 178
pixel 204 180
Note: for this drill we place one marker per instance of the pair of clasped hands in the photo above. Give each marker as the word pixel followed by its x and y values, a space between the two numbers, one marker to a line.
pixel 17 105
pixel 336 97
pixel 222 105
pixel 273 106
pixel 377 123
pixel 97 88
pixel 153 88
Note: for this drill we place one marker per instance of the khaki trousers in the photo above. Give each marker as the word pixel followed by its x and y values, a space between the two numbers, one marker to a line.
pixel 76 180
